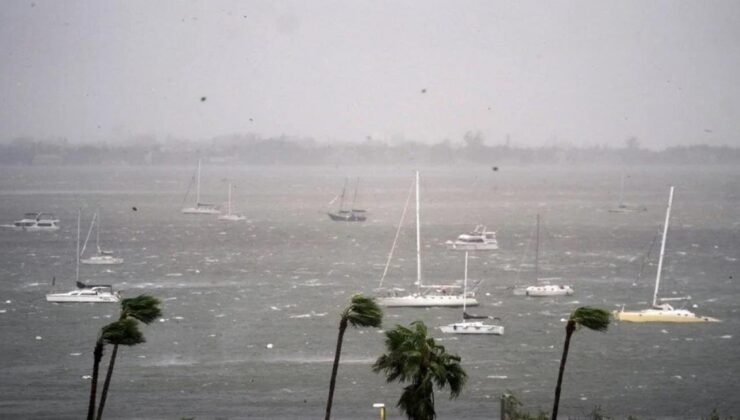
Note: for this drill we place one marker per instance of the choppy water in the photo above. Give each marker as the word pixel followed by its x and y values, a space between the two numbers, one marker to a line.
pixel 281 278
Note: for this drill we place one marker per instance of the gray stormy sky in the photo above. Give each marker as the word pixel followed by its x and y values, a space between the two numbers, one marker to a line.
pixel 581 72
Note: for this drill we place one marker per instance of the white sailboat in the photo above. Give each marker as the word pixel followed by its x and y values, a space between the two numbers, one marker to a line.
pixel 544 288
pixel 661 311
pixel 353 214
pixel 623 207
pixel 470 327
pixel 425 295
pixel 84 293
pixel 229 216
pixel 103 257
pixel 200 208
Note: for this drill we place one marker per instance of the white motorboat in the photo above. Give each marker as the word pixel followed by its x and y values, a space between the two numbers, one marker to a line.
pixel 199 208
pixel 479 239
pixel 661 310
pixel 36 222
pixel 470 327
pixel 98 293
pixel 102 257
pixel 230 216
pixel 425 295
pixel 544 286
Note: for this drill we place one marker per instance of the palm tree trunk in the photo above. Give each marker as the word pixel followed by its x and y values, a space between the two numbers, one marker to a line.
pixel 335 368
pixel 570 327
pixel 97 356
pixel 106 384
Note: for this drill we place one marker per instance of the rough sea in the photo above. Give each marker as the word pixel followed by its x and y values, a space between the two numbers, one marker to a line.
pixel 251 308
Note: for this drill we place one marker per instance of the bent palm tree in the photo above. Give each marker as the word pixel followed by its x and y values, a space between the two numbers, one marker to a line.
pixel 143 308
pixel 361 312
pixel 124 332
pixel 414 357
pixel 592 318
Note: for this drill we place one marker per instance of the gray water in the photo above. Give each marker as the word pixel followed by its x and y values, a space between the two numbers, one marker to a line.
pixel 282 277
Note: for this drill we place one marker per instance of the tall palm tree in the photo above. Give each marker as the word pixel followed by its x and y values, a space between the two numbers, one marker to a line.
pixel 414 357
pixel 143 308
pixel 361 312
pixel 124 332
pixel 592 318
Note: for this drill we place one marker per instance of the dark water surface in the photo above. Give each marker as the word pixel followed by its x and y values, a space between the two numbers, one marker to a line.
pixel 282 277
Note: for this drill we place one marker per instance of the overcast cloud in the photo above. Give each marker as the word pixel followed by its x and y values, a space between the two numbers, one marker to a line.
pixel 578 72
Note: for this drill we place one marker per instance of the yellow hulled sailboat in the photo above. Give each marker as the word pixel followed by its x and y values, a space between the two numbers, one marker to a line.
pixel 662 311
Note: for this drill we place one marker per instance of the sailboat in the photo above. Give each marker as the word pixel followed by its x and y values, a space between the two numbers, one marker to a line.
pixel 543 287
pixel 100 293
pixel 351 215
pixel 425 295
pixel 470 327
pixel 623 207
pixel 199 208
pixel 102 257
pixel 661 311
pixel 229 216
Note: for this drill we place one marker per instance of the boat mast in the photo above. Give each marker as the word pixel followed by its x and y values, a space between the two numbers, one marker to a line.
pixel 465 285
pixel 354 197
pixel 662 247
pixel 621 191
pixel 97 232
pixel 228 208
pixel 537 251
pixel 77 272
pixel 341 198
pixel 418 237
pixel 197 187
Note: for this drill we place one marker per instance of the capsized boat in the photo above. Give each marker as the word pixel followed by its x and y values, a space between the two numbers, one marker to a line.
pixel 661 310
pixel 479 239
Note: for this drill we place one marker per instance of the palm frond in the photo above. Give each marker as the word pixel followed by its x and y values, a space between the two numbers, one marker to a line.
pixel 145 308
pixel 596 319
pixel 363 312
pixel 124 332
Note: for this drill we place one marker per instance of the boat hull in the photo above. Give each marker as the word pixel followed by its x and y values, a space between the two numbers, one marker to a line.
pixel 65 298
pixel 102 260
pixel 658 315
pixel 458 246
pixel 347 217
pixel 195 210
pixel 545 291
pixel 422 301
pixel 231 218
pixel 472 328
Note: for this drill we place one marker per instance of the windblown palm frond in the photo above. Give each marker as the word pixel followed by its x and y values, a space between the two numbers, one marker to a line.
pixel 363 312
pixel 592 318
pixel 124 332
pixel 144 308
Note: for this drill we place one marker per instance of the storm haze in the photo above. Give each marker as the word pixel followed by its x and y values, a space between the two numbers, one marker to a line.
pixel 539 73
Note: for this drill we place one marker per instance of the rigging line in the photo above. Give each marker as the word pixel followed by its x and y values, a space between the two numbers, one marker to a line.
pixel 398 232
pixel 89 231
pixel 527 248
pixel 647 257
pixel 187 192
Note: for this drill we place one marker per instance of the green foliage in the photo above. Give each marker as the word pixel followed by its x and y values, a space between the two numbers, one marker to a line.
pixel 144 308
pixel 363 312
pixel 592 318
pixel 513 409
pixel 124 332
pixel 714 415
pixel 597 414
pixel 414 357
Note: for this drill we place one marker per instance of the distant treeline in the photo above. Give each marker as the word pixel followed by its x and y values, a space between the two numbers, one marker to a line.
pixel 253 149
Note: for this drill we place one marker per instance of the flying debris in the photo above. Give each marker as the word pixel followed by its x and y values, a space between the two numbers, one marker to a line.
pixel 202 98
pixel 495 169
pixel 134 208
pixel 423 91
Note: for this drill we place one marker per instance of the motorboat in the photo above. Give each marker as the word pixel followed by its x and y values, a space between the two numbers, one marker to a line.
pixel 479 239
pixel 36 222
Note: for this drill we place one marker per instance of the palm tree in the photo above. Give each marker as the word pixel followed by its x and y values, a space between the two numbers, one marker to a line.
pixel 143 308
pixel 124 332
pixel 361 312
pixel 414 357
pixel 592 318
